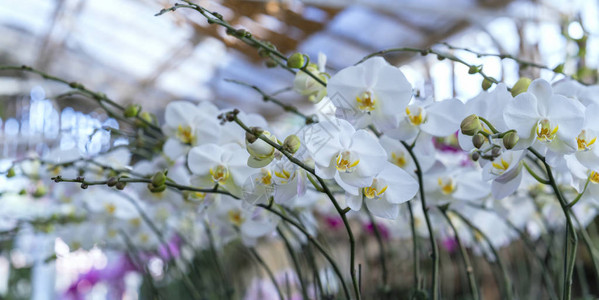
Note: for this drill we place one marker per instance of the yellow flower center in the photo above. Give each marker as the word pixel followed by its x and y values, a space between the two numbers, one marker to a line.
pixel 415 118
pixel 135 222
pixel 110 208
pixel 499 167
pixel 112 233
pixel 284 174
pixel 545 132
pixel 583 144
pixel 372 191
pixel 447 185
pixel 594 177
pixel 144 238
pixel 345 162
pixel 266 178
pixel 219 174
pixel 366 101
pixel 399 159
pixel 185 134
pixel 235 217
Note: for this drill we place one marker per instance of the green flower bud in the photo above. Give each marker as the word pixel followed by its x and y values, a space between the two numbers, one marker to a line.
pixel 478 140
pixel 159 179
pixel 486 84
pixel 11 173
pixel 292 143
pixel 22 192
pixel 112 181
pixel 474 69
pixel 120 185
pixel 521 86
pixel 270 63
pixel 40 191
pixel 510 140
pixel 475 156
pixel 146 116
pixel 471 125
pixel 156 189
pixel 132 110
pixel 559 68
pixel 296 61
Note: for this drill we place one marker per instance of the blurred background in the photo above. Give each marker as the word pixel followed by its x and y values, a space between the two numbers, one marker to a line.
pixel 120 48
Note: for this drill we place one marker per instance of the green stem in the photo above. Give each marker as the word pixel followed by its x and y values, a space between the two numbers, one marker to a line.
pixel 465 258
pixel 352 243
pixel 571 236
pixel 416 253
pixel 268 98
pixel 507 283
pixel 242 35
pixel 429 226
pixel 533 174
pixel 590 247
pixel 295 261
pixel 314 242
pixel 268 271
pixel 379 240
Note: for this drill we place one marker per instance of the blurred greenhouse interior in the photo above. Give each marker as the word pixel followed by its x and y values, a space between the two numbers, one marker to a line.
pixel 121 49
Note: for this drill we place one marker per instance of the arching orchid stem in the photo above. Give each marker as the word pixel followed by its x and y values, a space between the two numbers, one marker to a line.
pixel 439 54
pixel 269 98
pixel 314 242
pixel 571 236
pixel 240 34
pixel 491 127
pixel 534 174
pixel 573 202
pixel 415 248
pixel 590 247
pixel 529 244
pixel 295 262
pixel 142 180
pixel 507 283
pixel 429 226
pixel 465 258
pixel 381 244
pixel 352 243
pixel 269 272
pixel 99 97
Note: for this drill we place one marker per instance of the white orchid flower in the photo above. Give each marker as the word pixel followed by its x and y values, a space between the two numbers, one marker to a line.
pixel 373 92
pixel 539 115
pixel 223 165
pixel 351 157
pixel 389 188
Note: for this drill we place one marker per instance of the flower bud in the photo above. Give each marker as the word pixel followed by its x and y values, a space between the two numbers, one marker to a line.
pixel 112 181
pixel 120 185
pixel 292 143
pixel 11 173
pixel 159 179
pixel 474 69
pixel 296 61
pixel 486 84
pixel 478 140
pixel 559 68
pixel 156 189
pixel 521 86
pixel 40 191
pixel 475 156
pixel 261 153
pixel 132 110
pixel 510 140
pixel 470 125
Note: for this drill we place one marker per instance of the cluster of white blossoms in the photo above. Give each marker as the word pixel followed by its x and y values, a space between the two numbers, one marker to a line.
pixel 381 148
